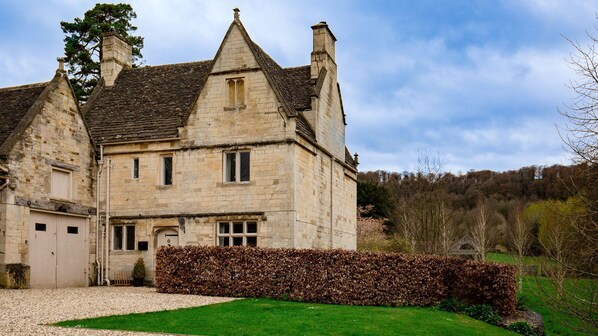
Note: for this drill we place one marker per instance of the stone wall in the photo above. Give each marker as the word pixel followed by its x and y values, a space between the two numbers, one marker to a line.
pixel 56 137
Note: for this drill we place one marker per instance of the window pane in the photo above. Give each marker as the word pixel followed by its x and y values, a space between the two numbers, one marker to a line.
pixel 252 241
pixel 231 159
pixel 237 241
pixel 167 170
pixel 231 92
pixel 117 238
pixel 223 241
pixel 40 227
pixel 223 228
pixel 72 230
pixel 130 237
pixel 238 227
pixel 240 92
pixel 244 166
pixel 251 227
pixel 135 168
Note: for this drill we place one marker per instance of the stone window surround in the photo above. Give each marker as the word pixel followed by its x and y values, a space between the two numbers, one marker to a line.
pixel 162 172
pixel 135 169
pixel 54 196
pixel 231 234
pixel 124 238
pixel 225 166
pixel 238 103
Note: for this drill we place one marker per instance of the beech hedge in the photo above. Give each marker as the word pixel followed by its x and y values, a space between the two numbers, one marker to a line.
pixel 334 276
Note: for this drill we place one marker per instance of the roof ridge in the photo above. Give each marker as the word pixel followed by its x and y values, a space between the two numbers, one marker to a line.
pixel 297 67
pixel 170 65
pixel 24 87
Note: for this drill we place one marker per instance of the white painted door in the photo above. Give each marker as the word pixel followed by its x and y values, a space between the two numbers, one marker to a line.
pixel 168 237
pixel 58 252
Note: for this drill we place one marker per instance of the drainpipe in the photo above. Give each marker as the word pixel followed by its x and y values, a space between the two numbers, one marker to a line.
pixel 331 201
pixel 107 261
pixel 98 185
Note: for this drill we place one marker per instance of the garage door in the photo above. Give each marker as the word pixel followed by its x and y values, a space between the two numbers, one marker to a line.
pixel 58 250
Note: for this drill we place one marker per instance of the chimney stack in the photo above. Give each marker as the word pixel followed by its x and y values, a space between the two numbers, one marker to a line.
pixel 116 55
pixel 322 55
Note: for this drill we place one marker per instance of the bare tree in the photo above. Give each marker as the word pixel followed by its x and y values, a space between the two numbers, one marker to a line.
pixel 521 239
pixel 481 232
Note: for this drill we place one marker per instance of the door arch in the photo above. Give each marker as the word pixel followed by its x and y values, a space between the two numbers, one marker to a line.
pixel 167 237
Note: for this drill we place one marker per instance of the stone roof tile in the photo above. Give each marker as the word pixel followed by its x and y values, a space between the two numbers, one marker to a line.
pixel 14 104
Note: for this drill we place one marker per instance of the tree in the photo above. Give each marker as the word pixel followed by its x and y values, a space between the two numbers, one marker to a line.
pixel 83 43
pixel 377 195
pixel 520 229
pixel 481 232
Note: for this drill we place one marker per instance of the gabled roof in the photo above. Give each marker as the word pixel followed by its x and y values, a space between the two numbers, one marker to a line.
pixel 151 103
pixel 146 103
pixel 15 102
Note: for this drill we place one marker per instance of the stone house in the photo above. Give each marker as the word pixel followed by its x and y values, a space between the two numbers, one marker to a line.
pixel 231 151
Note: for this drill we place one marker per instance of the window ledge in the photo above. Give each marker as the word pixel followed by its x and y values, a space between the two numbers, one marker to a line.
pixel 164 187
pixel 235 108
pixel 122 252
pixel 62 200
pixel 231 184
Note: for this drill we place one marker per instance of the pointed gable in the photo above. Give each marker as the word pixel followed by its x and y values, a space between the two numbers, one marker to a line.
pixel 234 53
pixel 15 103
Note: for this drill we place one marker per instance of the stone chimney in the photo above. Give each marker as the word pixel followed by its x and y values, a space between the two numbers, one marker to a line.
pixel 116 55
pixel 322 55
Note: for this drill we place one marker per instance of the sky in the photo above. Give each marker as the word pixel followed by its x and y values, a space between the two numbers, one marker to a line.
pixel 475 84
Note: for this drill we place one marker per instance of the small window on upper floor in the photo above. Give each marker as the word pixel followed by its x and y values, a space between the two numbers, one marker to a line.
pixel 166 178
pixel 237 166
pixel 236 93
pixel 135 168
pixel 61 184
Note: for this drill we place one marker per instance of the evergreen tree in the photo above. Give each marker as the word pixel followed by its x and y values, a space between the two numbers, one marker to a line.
pixel 83 48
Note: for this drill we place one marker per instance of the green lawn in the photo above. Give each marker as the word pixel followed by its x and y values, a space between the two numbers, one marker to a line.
pixel 271 317
pixel 539 291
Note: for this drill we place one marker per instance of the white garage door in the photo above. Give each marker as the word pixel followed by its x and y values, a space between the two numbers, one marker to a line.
pixel 58 252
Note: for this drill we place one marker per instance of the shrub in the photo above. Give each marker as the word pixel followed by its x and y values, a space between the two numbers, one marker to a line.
pixel 333 276
pixel 483 313
pixel 452 305
pixel 522 328
pixel 138 269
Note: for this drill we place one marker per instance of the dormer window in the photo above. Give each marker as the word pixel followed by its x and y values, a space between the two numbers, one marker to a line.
pixel 236 93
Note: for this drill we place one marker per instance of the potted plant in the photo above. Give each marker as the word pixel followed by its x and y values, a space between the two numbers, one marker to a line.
pixel 138 273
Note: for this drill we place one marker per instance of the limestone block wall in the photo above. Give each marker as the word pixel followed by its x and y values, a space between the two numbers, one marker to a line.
pixel 275 229
pixel 331 128
pixel 326 200
pixel 56 137
pixel 198 180
pixel 234 53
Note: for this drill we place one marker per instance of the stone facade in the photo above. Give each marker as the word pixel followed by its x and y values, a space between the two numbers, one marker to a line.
pixel 54 137
pixel 300 188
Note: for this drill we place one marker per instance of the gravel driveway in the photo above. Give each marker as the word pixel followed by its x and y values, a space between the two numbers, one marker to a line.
pixel 26 312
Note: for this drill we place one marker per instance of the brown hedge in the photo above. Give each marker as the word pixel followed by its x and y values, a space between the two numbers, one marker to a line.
pixel 334 276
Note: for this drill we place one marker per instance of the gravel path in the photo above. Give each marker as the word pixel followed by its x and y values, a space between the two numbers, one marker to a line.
pixel 26 312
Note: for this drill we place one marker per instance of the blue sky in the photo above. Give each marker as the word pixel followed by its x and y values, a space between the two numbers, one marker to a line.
pixel 476 83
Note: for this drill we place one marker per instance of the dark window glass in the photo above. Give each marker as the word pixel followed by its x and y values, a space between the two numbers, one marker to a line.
pixel 40 227
pixel 252 241
pixel 130 237
pixel 167 170
pixel 251 227
pixel 223 228
pixel 244 166
pixel 237 241
pixel 72 229
pixel 238 227
pixel 135 168
pixel 231 167
pixel 223 241
pixel 118 238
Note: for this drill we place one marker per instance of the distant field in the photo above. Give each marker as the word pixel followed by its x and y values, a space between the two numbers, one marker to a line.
pixel 271 317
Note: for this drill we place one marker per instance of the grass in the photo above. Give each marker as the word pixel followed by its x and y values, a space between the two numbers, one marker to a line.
pixel 540 291
pixel 271 317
